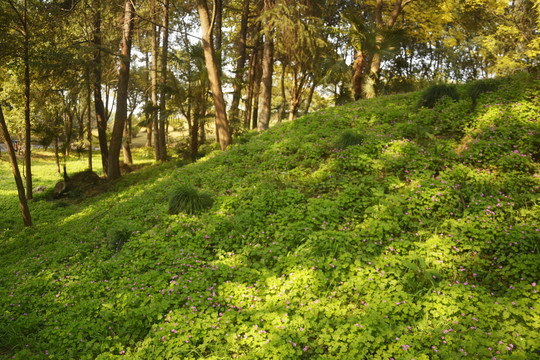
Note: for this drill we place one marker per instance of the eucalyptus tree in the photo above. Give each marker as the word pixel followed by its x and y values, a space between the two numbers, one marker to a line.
pixel 27 219
pixel 223 130
pixel 122 93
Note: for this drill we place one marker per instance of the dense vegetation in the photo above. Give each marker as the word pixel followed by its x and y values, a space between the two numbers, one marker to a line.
pixel 375 230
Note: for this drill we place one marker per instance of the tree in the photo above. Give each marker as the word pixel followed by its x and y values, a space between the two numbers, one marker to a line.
pixel 213 76
pixel 18 180
pixel 267 72
pixel 122 93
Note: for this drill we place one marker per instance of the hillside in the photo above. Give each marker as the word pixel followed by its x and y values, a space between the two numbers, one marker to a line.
pixel 374 230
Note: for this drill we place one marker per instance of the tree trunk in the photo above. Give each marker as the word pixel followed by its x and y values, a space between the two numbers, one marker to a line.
pixel 56 155
pixel 239 73
pixel 251 85
pixel 194 137
pixel 16 174
pixel 126 144
pixel 155 41
pixel 266 94
pixel 68 128
pixel 283 95
pixel 101 120
pixel 218 8
pixel 257 90
pixel 163 98
pixel 146 116
pixel 122 92
pixel 213 76
pixel 28 139
pixel 89 123
pixel 358 77
pixel 310 96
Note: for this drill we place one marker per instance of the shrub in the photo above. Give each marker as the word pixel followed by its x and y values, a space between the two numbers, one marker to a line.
pixel 434 93
pixel 188 200
pixel 349 138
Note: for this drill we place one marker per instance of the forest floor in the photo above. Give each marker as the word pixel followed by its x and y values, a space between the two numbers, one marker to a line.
pixel 374 230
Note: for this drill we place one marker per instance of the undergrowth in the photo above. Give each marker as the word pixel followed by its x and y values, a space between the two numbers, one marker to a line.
pixel 420 241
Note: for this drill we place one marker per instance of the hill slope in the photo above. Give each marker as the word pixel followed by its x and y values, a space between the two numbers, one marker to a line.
pixel 374 230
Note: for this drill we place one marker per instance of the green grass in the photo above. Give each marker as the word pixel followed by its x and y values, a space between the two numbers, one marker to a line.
pixel 421 241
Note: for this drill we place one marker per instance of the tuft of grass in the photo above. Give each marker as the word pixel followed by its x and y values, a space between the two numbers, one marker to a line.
pixel 434 93
pixel 188 200
pixel 349 138
pixel 480 87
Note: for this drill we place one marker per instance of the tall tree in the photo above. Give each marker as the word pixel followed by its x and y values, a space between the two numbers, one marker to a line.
pixel 101 120
pixel 122 93
pixel 240 62
pixel 163 98
pixel 18 180
pixel 267 73
pixel 213 75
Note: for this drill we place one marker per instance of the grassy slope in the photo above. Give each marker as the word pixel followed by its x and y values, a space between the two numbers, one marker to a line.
pixel 421 242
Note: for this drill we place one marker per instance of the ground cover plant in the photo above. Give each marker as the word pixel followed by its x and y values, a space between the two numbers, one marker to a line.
pixel 418 239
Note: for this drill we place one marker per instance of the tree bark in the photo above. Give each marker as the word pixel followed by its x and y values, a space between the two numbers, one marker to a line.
pixel 27 126
pixel 163 98
pixel 122 93
pixel 251 85
pixel 283 95
pixel 359 74
pixel 257 89
pixel 310 96
pixel 155 41
pixel 68 128
pixel 239 73
pixel 223 129
pixel 126 144
pixel 266 93
pixel 56 155
pixel 27 219
pixel 89 123
pixel 101 120
pixel 149 124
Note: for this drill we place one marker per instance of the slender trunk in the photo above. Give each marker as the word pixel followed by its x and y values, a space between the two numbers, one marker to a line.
pixel 257 90
pixel 68 127
pixel 89 119
pixel 163 98
pixel 239 73
pixel 223 132
pixel 194 136
pixel 310 96
pixel 218 5
pixel 217 46
pixel 146 116
pixel 155 41
pixel 27 219
pixel 126 144
pixel 56 155
pixel 296 93
pixel 28 140
pixel 251 83
pixel 122 92
pixel 283 95
pixel 101 120
pixel 266 93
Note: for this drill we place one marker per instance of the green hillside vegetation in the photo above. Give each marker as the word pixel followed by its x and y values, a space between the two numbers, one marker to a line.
pixel 374 230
